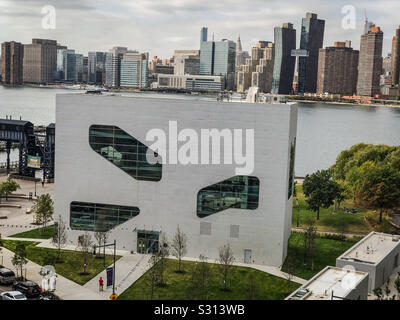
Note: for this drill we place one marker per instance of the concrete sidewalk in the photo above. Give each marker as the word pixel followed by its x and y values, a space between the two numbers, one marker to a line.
pixel 65 289
pixel 128 269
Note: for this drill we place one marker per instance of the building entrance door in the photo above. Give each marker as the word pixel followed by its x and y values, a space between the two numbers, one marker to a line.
pixel 147 241
pixel 247 256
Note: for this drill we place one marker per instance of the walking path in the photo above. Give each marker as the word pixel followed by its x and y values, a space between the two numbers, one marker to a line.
pixel 347 235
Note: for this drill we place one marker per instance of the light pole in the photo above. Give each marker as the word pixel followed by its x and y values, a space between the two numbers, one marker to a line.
pixel 298 212
pixel 35 187
pixel 115 250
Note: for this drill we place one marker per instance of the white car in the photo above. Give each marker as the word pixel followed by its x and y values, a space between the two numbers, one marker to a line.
pixel 12 295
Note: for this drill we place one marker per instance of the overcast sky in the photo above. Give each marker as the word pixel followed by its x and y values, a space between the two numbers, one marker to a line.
pixel 161 26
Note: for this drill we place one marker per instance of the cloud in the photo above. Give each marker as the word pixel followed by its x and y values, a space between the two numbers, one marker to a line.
pixel 161 26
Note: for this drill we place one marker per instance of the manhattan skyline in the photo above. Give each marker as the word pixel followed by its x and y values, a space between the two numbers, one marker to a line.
pixel 160 27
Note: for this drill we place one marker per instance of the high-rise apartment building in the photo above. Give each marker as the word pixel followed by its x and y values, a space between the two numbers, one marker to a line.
pixel 187 62
pixel 217 58
pixel 284 65
pixel 40 61
pixel 113 66
pixel 258 70
pixel 338 69
pixel 12 54
pixel 134 70
pixel 312 39
pixel 396 58
pixel 370 64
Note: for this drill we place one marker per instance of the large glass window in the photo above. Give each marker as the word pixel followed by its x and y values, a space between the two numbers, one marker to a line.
pixel 124 151
pixel 239 192
pixel 99 216
pixel 291 168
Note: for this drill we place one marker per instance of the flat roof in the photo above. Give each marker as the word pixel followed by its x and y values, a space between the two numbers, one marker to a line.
pixel 330 280
pixel 372 248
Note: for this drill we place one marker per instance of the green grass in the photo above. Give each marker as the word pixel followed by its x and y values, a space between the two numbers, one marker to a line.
pixel 329 221
pixel 269 287
pixel 71 266
pixel 39 233
pixel 327 252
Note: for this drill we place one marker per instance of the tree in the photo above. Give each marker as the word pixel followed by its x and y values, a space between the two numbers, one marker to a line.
pixel 19 258
pixel 380 189
pixel 60 237
pixel 153 275
pixel 225 264
pixel 43 209
pixel 252 288
pixel 378 293
pixel 320 190
pixel 201 273
pixel 309 243
pixel 397 285
pixel 85 244
pixel 163 253
pixel 290 268
pixel 178 247
pixel 9 186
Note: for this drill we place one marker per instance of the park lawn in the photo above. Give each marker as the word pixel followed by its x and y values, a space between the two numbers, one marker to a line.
pixel 71 266
pixel 327 252
pixel 39 233
pixel 268 287
pixel 329 221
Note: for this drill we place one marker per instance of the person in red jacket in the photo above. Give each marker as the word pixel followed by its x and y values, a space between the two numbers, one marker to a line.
pixel 101 284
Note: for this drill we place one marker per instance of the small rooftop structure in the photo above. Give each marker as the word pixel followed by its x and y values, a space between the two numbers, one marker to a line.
pixel 373 248
pixel 334 283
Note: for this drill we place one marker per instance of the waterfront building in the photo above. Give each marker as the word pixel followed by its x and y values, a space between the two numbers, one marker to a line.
pixel 12 54
pixel 338 69
pixel 370 63
pixel 85 67
pixel 190 82
pixel 284 64
pixel 217 58
pixel 40 61
pixel 203 34
pixel 134 69
pixel 113 65
pixel 241 55
pixel 249 207
pixel 186 62
pixel 396 58
pixel 96 67
pixel 258 70
pixel 312 39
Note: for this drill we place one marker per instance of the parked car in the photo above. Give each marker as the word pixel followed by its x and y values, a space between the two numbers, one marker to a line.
pixel 7 276
pixel 29 288
pixel 12 295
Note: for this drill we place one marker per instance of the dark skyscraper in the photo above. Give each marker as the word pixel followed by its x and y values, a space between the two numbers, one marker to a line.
pixel 312 39
pixel 203 34
pixel 370 65
pixel 12 54
pixel 284 64
pixel 396 58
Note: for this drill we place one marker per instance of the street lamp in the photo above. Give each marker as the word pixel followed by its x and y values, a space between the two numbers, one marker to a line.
pixel 115 248
pixel 35 187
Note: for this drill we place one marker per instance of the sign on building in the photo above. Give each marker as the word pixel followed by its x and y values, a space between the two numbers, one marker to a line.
pixel 34 162
pixel 299 53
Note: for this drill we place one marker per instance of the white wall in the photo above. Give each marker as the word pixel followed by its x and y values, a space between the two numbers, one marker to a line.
pixel 83 175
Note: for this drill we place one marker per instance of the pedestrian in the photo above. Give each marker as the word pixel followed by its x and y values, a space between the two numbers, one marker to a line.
pixel 101 284
pixel 42 182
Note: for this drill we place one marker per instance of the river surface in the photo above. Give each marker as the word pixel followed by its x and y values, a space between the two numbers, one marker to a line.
pixel 323 130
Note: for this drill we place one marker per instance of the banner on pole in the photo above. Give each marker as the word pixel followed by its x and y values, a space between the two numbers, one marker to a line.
pixel 110 276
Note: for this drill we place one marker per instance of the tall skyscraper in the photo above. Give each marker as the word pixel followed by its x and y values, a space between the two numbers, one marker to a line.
pixel 40 61
pixel 396 58
pixel 312 39
pixel 241 55
pixel 370 64
pixel 12 54
pixel 284 65
pixel 114 66
pixel 217 58
pixel 203 34
pixel 134 69
pixel 96 67
pixel 338 69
